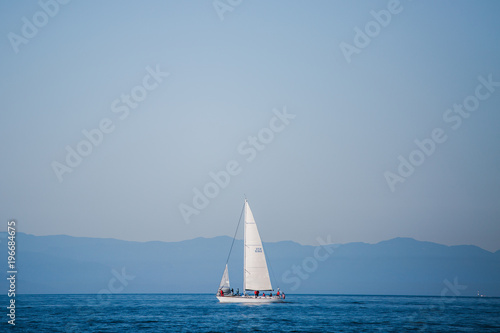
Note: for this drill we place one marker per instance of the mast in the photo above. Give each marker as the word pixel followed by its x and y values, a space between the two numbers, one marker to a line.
pixel 245 246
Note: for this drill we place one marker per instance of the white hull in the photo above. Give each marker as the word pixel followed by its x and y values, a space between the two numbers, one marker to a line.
pixel 250 299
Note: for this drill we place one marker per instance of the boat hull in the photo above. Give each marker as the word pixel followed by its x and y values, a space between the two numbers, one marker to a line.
pixel 250 299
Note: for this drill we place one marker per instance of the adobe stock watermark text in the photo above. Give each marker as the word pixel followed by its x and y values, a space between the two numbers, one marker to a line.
pixel 248 148
pixel 95 136
pixel 31 26
pixel 363 37
pixel 453 117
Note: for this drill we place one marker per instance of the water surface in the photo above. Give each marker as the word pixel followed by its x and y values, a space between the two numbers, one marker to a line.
pixel 203 313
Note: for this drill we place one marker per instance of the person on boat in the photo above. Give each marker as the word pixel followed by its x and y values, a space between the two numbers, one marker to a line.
pixel 270 294
pixel 221 293
pixel 283 295
pixel 256 293
pixel 232 291
pixel 238 291
pixel 263 294
pixel 278 293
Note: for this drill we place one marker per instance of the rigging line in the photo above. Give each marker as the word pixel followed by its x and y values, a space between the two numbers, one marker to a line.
pixel 234 237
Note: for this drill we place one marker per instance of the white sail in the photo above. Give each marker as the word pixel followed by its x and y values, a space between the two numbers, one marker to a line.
pixel 224 282
pixel 256 275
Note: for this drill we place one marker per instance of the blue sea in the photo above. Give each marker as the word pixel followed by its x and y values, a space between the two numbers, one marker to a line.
pixel 203 313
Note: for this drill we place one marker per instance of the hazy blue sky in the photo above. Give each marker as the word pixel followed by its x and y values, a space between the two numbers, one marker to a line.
pixel 323 173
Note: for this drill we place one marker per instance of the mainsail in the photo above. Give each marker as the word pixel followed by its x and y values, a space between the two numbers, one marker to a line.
pixel 224 283
pixel 256 275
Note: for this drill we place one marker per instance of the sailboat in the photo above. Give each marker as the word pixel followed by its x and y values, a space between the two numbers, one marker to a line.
pixel 255 272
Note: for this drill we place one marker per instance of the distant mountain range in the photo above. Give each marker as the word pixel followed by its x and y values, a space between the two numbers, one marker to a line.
pixel 400 266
